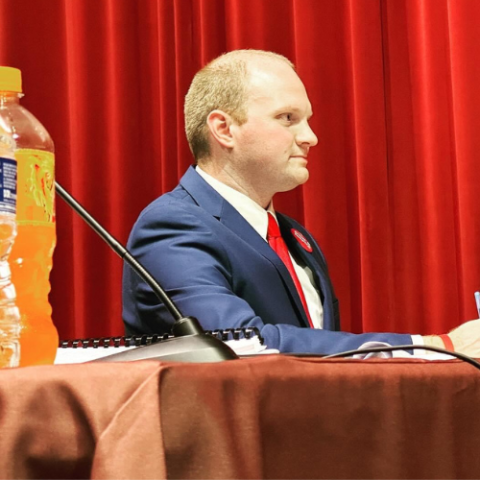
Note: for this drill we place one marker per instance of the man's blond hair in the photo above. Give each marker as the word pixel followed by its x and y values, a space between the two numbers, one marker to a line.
pixel 221 84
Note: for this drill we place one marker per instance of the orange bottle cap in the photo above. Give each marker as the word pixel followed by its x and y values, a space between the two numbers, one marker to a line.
pixel 10 79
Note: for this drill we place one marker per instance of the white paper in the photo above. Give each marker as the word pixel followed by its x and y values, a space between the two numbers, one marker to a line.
pixel 244 346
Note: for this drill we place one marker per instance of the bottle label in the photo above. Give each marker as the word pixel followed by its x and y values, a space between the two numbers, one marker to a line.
pixel 8 185
pixel 35 187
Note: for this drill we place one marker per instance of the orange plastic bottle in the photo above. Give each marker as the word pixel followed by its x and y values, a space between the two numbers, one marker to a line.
pixel 31 256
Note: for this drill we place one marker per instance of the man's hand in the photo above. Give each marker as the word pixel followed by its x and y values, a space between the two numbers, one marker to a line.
pixel 465 339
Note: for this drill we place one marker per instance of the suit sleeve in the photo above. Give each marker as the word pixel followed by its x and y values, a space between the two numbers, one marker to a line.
pixel 192 265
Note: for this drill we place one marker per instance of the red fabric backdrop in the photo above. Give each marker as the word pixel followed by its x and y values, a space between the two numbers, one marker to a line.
pixel 394 87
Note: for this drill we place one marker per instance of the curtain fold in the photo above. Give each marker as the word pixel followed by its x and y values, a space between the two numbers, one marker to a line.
pixel 392 192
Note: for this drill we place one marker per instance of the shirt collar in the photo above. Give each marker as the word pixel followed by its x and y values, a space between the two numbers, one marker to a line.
pixel 251 211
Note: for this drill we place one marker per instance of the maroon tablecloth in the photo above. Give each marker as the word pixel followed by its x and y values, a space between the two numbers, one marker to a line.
pixel 266 417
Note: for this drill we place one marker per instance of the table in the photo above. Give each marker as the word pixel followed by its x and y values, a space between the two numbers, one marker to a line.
pixel 266 417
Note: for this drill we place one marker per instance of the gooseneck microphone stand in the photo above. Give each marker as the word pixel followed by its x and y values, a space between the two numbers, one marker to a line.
pixel 190 342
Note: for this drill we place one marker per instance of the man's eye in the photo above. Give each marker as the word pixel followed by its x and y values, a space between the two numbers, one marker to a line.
pixel 287 116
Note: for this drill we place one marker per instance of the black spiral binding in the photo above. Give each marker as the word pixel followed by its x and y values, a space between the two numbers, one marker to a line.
pixel 148 339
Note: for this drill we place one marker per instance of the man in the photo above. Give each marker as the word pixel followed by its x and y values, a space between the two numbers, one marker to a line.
pixel 214 244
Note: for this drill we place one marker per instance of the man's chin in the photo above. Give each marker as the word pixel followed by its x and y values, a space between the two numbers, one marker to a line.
pixel 298 179
pixel 302 176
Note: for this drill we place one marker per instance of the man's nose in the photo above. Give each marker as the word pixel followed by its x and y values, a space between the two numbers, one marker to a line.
pixel 306 136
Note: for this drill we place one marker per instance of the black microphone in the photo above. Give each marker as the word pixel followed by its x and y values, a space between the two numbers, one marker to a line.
pixel 189 343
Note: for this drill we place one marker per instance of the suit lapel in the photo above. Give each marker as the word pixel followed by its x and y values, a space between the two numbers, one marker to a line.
pixel 209 199
pixel 316 265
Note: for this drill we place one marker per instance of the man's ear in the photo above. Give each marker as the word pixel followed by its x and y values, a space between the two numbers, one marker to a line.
pixel 219 123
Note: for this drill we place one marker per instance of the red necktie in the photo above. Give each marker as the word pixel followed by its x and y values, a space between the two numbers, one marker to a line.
pixel 276 241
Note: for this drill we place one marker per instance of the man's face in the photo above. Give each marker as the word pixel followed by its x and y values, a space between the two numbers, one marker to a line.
pixel 271 147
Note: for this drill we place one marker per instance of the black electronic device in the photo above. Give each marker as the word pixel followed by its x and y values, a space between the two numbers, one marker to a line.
pixel 190 342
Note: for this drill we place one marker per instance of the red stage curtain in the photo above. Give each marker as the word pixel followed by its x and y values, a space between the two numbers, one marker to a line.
pixel 394 88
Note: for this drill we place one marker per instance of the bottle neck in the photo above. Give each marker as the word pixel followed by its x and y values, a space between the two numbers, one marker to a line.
pixel 7 98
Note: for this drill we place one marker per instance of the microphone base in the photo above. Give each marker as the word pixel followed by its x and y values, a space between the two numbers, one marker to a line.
pixel 197 348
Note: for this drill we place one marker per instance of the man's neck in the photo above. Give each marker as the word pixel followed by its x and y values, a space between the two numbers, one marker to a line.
pixel 231 178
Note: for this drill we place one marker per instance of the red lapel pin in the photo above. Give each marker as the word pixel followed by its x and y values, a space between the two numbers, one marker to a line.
pixel 302 240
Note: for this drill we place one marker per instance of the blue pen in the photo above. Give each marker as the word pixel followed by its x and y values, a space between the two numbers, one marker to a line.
pixel 477 301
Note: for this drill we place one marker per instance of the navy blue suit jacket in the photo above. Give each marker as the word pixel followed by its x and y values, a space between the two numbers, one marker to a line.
pixel 217 268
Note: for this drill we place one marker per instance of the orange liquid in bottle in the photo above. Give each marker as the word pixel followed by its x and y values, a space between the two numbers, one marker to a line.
pixel 31 256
